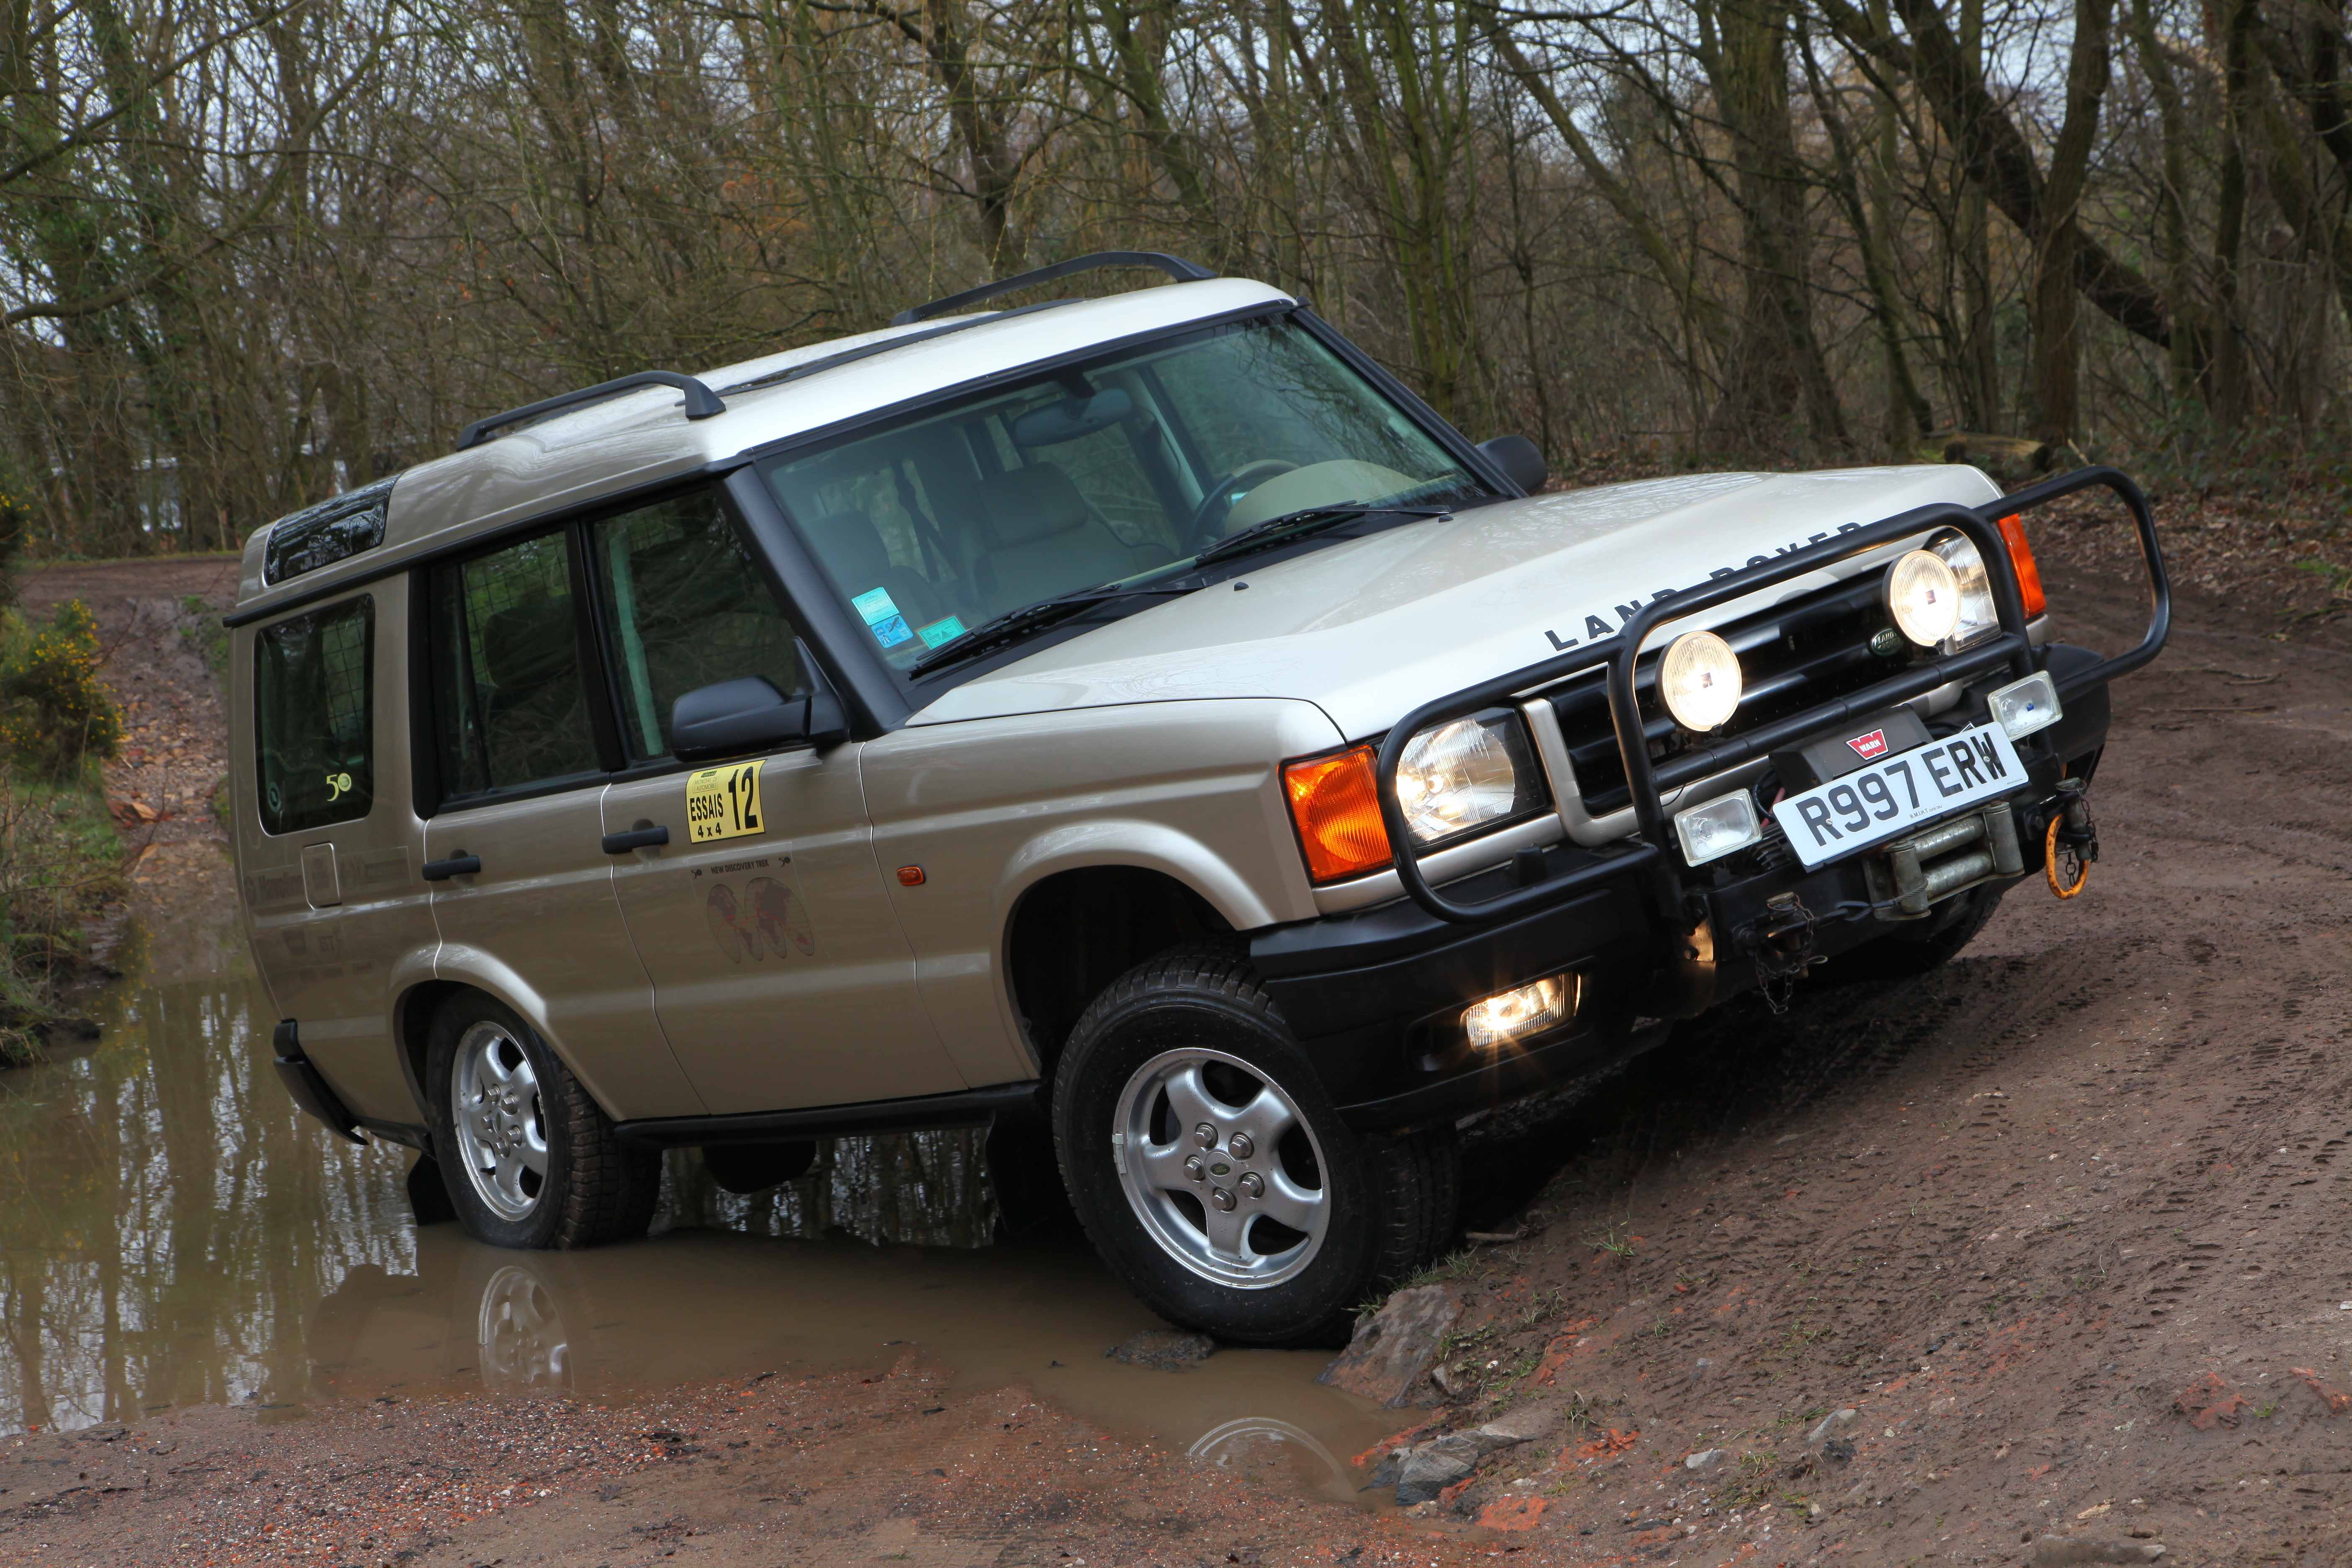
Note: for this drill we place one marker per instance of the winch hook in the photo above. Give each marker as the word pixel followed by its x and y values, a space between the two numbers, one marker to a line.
pixel 1781 942
pixel 2069 826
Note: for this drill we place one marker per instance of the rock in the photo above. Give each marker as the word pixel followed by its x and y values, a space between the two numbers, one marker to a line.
pixel 1393 1347
pixel 2057 1551
pixel 1707 1461
pixel 1164 1349
pixel 1427 1468
pixel 1524 1425
pixel 1702 1369
pixel 1835 1422
pixel 1430 1468
pixel 1839 1450
pixel 2211 1402
pixel 1858 1498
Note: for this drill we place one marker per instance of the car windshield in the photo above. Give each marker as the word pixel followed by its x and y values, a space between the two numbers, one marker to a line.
pixel 1121 470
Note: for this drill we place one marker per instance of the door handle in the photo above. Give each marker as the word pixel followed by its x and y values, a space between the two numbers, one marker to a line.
pixel 455 866
pixel 637 839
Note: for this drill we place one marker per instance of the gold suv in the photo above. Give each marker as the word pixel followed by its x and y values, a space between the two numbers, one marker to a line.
pixel 1139 724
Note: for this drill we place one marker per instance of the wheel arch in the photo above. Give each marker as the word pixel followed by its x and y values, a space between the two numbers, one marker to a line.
pixel 1075 930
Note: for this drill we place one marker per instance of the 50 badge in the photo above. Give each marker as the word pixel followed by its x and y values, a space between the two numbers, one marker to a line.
pixel 724 802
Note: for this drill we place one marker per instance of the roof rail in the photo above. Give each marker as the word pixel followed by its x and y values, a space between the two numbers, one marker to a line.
pixel 1176 267
pixel 702 403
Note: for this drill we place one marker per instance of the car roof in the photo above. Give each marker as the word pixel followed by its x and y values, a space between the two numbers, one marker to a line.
pixel 641 437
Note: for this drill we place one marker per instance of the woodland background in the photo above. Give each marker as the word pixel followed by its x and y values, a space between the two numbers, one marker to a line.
pixel 254 253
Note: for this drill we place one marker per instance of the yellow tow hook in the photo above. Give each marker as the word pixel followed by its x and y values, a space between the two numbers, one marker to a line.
pixel 2082 841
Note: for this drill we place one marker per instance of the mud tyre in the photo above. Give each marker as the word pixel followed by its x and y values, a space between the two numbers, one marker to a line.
pixel 1211 1173
pixel 528 1158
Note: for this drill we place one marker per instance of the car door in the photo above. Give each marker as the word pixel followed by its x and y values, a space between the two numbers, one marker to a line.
pixel 327 843
pixel 780 971
pixel 523 893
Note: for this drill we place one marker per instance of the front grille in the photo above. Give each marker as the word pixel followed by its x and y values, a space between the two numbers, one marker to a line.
pixel 1800 652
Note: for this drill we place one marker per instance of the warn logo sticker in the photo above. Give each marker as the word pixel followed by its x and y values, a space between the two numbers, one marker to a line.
pixel 1870 746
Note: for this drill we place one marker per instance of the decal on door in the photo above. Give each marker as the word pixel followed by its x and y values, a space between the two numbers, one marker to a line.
pixel 765 919
pixel 723 803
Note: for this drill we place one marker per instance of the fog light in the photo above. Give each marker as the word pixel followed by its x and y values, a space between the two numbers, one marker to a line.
pixel 1710 832
pixel 1508 1014
pixel 2025 705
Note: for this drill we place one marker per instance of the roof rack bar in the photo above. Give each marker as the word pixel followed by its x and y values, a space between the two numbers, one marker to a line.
pixel 702 403
pixel 1176 267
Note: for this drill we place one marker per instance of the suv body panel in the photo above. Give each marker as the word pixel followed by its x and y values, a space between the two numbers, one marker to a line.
pixel 988 810
pixel 1371 628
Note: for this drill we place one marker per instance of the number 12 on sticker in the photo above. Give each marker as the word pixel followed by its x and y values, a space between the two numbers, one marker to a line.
pixel 724 802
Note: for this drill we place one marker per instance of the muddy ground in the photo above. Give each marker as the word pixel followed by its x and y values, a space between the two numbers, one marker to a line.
pixel 2062 1224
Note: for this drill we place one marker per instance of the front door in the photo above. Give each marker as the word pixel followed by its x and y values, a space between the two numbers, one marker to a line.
pixel 780 973
pixel 522 787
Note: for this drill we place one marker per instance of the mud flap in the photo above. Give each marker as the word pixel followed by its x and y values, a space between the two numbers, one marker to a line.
pixel 428 1199
pixel 1021 1171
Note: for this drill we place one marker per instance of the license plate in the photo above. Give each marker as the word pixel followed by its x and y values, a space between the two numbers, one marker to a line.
pixel 1890 797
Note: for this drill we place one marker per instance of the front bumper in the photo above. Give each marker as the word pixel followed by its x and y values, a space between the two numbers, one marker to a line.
pixel 1375 996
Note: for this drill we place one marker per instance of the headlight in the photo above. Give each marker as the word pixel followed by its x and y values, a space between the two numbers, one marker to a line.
pixel 1699 679
pixel 1463 775
pixel 1924 595
pixel 1978 619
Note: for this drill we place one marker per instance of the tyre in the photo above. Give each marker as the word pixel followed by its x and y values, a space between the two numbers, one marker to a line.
pixel 529 1160
pixel 1902 954
pixel 1211 1173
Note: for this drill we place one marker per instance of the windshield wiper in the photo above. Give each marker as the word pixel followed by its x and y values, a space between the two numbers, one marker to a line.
pixel 1259 535
pixel 996 632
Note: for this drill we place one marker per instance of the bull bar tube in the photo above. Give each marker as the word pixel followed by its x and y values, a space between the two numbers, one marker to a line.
pixel 1649 854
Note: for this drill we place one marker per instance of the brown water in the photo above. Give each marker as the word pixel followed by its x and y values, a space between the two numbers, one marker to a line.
pixel 172 1232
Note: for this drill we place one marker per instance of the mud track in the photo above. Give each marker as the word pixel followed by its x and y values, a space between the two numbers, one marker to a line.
pixel 2064 1224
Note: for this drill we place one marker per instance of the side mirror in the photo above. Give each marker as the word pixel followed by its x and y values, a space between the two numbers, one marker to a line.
pixel 1521 462
pixel 734 717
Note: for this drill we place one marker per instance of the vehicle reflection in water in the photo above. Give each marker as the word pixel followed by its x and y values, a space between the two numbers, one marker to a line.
pixel 172 1232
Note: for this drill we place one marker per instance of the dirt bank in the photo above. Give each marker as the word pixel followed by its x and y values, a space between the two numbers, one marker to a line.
pixel 2060 1224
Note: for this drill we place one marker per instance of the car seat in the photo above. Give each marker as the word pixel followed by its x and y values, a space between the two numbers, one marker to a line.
pixel 852 549
pixel 1047 540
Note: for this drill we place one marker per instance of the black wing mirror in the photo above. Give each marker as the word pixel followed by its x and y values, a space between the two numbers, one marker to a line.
pixel 1520 459
pixel 735 717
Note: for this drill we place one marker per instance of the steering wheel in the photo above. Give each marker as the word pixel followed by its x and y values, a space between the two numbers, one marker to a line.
pixel 1218 499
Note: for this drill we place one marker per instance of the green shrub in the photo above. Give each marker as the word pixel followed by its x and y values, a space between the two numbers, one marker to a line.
pixel 55 717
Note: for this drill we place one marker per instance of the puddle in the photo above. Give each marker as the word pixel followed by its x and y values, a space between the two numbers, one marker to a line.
pixel 174 1232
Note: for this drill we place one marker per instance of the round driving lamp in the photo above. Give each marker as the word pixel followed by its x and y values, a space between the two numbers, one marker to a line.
pixel 1699 680
pixel 1923 594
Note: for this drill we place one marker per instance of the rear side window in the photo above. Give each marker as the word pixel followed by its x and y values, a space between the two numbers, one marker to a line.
pixel 314 713
pixel 514 697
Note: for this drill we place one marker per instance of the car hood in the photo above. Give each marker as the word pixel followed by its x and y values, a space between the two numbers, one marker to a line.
pixel 1373 628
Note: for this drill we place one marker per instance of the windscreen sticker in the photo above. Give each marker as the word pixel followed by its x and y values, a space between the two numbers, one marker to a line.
pixel 724 802
pixel 882 617
pixel 939 632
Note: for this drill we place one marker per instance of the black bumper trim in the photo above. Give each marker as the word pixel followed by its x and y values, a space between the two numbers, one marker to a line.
pixel 308 1085
pixel 918 1113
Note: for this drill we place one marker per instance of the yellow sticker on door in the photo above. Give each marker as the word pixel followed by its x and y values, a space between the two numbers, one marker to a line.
pixel 723 803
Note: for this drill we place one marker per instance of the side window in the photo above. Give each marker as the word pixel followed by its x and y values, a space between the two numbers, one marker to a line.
pixel 313 716
pixel 684 606
pixel 514 703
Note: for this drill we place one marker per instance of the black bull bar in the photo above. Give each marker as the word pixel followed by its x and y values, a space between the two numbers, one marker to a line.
pixel 1649 856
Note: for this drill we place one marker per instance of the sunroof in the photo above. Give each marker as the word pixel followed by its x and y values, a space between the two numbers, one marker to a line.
pixel 323 534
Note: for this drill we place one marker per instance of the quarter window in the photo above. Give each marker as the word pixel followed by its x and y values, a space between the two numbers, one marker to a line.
pixel 684 606
pixel 514 696
pixel 314 713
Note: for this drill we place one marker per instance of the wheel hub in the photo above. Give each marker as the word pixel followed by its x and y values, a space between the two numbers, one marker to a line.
pixel 1204 1204
pixel 500 1125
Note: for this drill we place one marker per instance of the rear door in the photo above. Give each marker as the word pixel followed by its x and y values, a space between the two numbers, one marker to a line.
pixel 522 728
pixel 780 971
pixel 327 843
